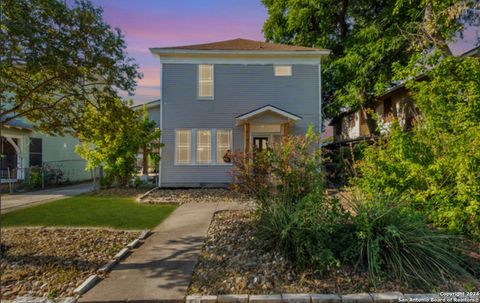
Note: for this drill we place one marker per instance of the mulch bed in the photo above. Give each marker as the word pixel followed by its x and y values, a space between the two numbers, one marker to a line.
pixel 194 195
pixel 231 263
pixel 52 262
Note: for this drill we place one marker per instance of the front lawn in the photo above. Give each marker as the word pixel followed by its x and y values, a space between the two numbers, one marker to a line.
pixel 91 211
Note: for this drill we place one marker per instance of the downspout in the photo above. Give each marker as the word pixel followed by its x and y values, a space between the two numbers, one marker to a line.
pixel 161 127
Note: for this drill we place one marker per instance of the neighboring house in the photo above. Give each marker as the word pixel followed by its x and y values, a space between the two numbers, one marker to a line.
pixel 235 95
pixel 22 148
pixel 396 103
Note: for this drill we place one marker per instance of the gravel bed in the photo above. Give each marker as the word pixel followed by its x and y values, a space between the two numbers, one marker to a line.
pixel 52 262
pixel 231 263
pixel 194 195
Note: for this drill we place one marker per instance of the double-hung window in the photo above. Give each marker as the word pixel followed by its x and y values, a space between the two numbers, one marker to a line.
pixel 224 145
pixel 205 81
pixel 183 139
pixel 204 146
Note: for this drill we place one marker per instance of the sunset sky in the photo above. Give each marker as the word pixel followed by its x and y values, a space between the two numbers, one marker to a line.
pixel 157 23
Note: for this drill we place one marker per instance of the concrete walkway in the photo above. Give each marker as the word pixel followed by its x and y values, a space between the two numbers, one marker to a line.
pixel 16 201
pixel 160 270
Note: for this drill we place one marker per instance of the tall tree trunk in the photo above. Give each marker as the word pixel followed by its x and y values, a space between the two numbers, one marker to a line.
pixel 430 27
pixel 145 160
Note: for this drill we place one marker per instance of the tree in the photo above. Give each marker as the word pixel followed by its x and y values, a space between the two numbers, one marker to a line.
pixel 367 38
pixel 58 62
pixel 149 138
pixel 112 139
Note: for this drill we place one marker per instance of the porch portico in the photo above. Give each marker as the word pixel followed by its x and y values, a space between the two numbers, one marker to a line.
pixel 265 126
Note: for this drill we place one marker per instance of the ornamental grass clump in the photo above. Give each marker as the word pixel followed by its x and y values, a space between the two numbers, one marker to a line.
pixel 310 233
pixel 391 239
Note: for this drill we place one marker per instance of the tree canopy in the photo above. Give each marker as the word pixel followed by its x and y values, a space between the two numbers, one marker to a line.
pixel 57 62
pixel 367 39
pixel 112 139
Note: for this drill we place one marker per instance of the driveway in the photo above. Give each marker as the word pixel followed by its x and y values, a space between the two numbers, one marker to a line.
pixel 13 202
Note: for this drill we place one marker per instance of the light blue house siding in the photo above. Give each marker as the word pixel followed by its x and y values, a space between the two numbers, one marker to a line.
pixel 238 89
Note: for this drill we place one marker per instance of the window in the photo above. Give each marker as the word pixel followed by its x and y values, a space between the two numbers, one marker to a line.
pixel 210 146
pixel 283 70
pixel 205 81
pixel 204 146
pixel 183 140
pixel 224 145
pixel 35 152
pixel 387 109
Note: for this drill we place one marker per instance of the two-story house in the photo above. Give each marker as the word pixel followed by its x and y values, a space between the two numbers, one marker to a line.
pixel 228 96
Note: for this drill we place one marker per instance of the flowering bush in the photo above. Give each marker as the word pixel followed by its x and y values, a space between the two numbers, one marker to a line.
pixel 288 170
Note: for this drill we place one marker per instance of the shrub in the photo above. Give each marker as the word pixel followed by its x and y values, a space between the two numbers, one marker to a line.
pixel 312 232
pixel 392 239
pixel 436 166
pixel 287 171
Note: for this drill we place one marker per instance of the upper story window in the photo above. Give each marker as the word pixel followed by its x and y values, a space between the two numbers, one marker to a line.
pixel 205 81
pixel 283 70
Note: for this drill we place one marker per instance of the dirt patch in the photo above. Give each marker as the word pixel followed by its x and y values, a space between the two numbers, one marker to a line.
pixel 46 262
pixel 200 195
pixel 232 263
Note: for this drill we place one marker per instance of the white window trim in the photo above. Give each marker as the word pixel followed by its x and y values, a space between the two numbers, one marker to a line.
pixel 211 146
pixel 230 143
pixel 193 147
pixel 207 98
pixel 175 146
pixel 282 65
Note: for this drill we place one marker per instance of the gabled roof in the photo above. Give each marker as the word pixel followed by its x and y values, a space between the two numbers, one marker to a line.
pixel 264 109
pixel 242 44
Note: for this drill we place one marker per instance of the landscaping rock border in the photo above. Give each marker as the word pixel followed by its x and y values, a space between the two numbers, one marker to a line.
pixel 333 298
pixel 141 197
pixel 105 269
pixel 181 196
pixel 92 280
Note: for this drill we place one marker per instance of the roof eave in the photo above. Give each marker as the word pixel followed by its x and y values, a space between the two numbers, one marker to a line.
pixel 173 51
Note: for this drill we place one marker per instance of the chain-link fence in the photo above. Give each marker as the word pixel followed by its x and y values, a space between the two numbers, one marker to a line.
pixel 51 174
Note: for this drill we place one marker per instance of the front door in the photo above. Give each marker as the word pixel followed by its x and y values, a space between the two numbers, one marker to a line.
pixel 260 143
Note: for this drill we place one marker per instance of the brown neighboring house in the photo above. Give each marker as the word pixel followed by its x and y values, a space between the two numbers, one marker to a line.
pixel 396 103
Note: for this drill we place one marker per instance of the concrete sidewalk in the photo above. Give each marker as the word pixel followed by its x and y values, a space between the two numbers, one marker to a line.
pixel 160 270
pixel 16 201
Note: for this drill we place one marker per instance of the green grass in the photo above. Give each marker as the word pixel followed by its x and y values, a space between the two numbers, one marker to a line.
pixel 91 211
